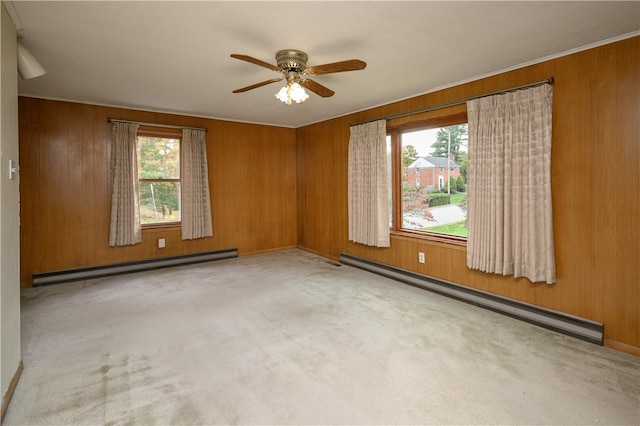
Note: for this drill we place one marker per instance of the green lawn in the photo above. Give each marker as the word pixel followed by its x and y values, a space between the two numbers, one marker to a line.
pixel 457 197
pixel 456 228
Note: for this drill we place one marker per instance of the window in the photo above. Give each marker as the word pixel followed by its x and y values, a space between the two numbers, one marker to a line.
pixel 390 180
pixel 159 179
pixel 433 203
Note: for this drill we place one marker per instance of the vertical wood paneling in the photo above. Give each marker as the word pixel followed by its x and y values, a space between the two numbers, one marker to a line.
pixel 607 156
pixel 75 163
pixel 30 221
pixel 54 184
pixel 95 185
pixel 65 201
pixel 627 188
pixel 595 183
pixel 569 176
pixel 321 203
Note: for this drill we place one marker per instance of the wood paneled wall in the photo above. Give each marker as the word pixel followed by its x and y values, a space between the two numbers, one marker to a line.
pixel 64 188
pixel 595 183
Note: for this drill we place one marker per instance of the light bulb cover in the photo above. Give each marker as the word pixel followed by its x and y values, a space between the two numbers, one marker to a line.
pixel 298 94
pixel 28 65
pixel 283 95
pixel 292 92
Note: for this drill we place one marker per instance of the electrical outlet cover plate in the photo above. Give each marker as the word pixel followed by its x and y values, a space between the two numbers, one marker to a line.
pixel 421 257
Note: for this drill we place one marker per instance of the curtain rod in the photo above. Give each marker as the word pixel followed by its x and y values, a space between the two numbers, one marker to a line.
pixel 166 126
pixel 458 102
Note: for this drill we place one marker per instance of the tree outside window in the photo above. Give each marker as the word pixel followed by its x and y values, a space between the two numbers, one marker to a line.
pixel 159 179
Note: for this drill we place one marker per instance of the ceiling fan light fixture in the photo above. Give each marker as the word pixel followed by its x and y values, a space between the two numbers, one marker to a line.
pixel 292 92
pixel 292 65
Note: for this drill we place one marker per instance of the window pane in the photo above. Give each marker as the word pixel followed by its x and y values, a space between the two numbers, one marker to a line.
pixel 159 202
pixel 158 158
pixel 389 181
pixel 434 180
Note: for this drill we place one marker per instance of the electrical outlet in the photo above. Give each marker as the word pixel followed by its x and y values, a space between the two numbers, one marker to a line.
pixel 421 257
pixel 160 242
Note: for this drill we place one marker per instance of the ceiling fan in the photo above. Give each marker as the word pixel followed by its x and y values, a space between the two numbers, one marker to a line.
pixel 292 65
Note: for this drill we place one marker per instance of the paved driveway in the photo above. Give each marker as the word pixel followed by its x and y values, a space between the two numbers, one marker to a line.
pixel 446 214
pixel 441 214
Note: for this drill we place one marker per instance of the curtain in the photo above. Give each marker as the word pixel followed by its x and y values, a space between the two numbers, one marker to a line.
pixel 509 217
pixel 196 204
pixel 125 201
pixel 367 187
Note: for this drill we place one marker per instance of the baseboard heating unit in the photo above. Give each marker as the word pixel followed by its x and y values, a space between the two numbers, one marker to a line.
pixel 563 323
pixel 68 275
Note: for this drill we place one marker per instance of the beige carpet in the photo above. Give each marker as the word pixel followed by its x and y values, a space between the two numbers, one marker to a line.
pixel 289 338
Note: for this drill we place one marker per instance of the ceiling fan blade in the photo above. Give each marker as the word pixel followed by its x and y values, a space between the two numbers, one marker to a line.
pixel 350 65
pixel 255 86
pixel 256 61
pixel 316 88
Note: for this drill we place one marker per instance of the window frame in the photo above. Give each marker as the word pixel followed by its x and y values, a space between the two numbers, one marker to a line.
pixel 168 134
pixel 394 132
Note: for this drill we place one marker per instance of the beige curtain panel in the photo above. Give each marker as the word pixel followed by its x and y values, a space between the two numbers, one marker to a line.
pixel 125 202
pixel 368 188
pixel 509 216
pixel 196 203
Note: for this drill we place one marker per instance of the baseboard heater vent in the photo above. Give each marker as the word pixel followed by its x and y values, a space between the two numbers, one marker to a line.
pixel 563 323
pixel 68 275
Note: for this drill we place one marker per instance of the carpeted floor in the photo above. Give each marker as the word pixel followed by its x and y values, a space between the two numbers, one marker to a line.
pixel 289 338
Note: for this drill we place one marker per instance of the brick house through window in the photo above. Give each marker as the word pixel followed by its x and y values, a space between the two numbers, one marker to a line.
pixel 431 172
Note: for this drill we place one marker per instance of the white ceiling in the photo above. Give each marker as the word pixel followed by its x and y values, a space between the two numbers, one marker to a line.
pixel 174 56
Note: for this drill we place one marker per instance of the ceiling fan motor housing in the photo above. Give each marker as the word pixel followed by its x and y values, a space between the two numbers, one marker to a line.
pixel 291 60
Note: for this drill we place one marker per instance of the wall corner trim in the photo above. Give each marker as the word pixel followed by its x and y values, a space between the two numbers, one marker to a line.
pixel 6 398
